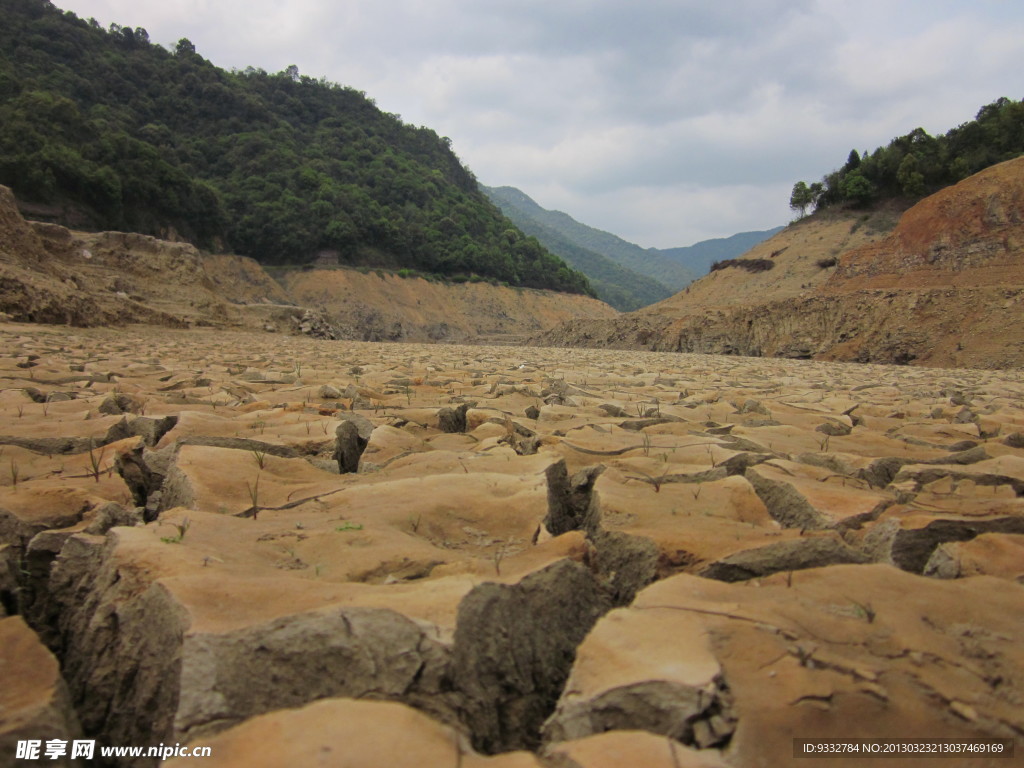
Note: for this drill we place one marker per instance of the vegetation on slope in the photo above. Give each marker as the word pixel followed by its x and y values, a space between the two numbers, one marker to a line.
pixel 917 164
pixel 623 288
pixel 116 132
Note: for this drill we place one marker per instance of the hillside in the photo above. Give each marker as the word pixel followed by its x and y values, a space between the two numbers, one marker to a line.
pixel 104 130
pixel 623 274
pixel 649 263
pixel 623 288
pixel 944 287
pixel 915 165
pixel 700 256
pixel 50 274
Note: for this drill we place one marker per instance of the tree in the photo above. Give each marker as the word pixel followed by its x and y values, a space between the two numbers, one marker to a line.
pixel 852 162
pixel 911 180
pixel 856 188
pixel 801 198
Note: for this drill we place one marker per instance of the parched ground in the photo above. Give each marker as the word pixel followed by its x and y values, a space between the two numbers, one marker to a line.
pixel 302 551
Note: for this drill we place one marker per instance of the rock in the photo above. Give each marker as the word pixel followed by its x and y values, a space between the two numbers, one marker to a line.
pixel 791 555
pixel 201 664
pixel 349 446
pixel 834 429
pixel 34 701
pixel 356 734
pixel 800 502
pixel 912 548
pixel 10 589
pixel 111 515
pixel 453 419
pixel 826 654
pixel 615 749
pixel 573 504
pixel 327 392
pixel 629 677
pixel 992 554
pixel 513 649
pixel 626 564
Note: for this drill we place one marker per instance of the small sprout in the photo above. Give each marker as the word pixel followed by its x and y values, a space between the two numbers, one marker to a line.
pixel 260 457
pixel 349 526
pixel 864 611
pixel 498 556
pixel 254 495
pixel 95 461
pixel 414 523
pixel 696 493
pixel 657 482
pixel 182 529
pixel 21 411
pixel 14 473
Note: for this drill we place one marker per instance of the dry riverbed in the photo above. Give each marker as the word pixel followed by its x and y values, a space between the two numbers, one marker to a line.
pixel 419 555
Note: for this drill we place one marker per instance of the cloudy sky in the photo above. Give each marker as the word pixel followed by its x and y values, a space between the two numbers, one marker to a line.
pixel 664 121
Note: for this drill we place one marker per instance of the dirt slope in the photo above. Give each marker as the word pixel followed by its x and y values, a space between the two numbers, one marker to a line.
pixel 54 275
pixel 384 307
pixel 944 288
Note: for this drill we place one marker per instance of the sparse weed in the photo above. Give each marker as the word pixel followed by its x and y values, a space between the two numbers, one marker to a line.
pixel 349 526
pixel 260 457
pixel 657 482
pixel 498 556
pixel 182 528
pixel 254 495
pixel 95 461
pixel 864 611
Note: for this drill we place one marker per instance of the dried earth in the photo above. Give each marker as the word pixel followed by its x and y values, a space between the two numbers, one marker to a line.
pixel 331 552
pixel 51 274
pixel 940 285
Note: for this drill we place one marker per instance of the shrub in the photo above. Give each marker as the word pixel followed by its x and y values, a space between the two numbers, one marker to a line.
pixel 751 265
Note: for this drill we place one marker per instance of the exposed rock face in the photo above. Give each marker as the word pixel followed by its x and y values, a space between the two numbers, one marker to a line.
pixel 384 307
pixel 513 649
pixel 711 663
pixel 944 288
pixel 49 274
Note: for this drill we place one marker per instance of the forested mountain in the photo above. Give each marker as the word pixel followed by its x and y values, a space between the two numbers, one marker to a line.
pixel 115 132
pixel 623 274
pixel 917 164
pixel 700 256
pixel 648 262
pixel 619 286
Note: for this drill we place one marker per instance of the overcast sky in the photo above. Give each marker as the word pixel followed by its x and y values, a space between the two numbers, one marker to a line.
pixel 665 122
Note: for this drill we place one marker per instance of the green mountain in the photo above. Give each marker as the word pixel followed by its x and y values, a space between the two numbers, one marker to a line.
pixel 619 286
pixel 700 256
pixel 649 263
pixel 623 274
pixel 111 131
